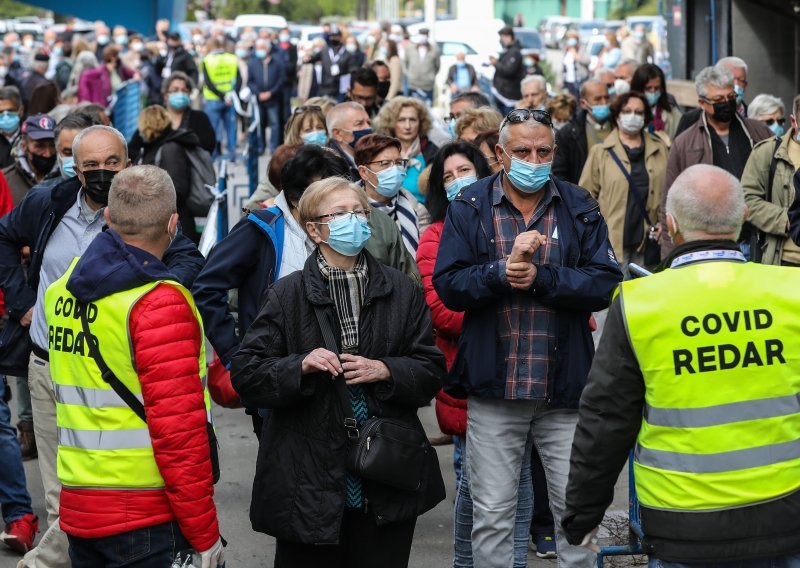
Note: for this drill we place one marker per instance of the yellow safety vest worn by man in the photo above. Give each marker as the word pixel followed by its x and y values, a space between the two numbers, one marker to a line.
pixel 702 360
pixel 120 474
pixel 220 69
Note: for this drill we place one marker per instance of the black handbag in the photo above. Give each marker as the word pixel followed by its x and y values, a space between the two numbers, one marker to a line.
pixel 129 398
pixel 384 450
pixel 652 250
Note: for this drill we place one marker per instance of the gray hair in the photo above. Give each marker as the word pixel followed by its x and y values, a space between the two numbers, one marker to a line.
pixel 765 104
pixel 627 61
pixel 337 113
pixel 141 201
pixel 599 73
pixel 11 93
pixel 706 200
pixel 734 62
pixel 505 135
pixel 718 77
pixel 76 143
pixel 534 79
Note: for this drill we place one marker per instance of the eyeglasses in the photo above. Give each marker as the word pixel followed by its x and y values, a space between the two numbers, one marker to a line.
pixel 522 114
pixel 401 163
pixel 718 100
pixel 336 215
pixel 450 118
pixel 305 108
pixel 771 121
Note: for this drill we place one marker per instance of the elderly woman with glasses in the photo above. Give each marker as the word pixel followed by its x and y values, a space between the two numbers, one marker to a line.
pixel 383 364
pixel 769 110
pixel 383 172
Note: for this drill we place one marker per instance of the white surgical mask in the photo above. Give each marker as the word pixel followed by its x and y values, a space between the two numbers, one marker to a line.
pixel 631 123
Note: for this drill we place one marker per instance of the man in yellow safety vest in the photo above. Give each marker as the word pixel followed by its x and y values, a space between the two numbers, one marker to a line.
pixel 128 364
pixel 698 370
pixel 221 82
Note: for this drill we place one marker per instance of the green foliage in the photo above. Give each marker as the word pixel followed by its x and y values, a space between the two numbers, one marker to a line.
pixel 11 9
pixel 547 71
pixel 627 8
pixel 292 10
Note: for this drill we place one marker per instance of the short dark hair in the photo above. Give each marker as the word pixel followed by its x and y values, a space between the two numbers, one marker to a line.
pixel 477 99
pixel 491 138
pixel 436 201
pixel 74 121
pixel 506 31
pixel 622 100
pixel 93 110
pixel 371 145
pixel 364 76
pixel 310 164
pixel 279 158
pixel 177 76
pixel 645 73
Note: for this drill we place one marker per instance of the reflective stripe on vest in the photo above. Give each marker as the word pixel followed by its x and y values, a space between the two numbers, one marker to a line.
pixel 721 424
pixel 222 69
pixel 102 442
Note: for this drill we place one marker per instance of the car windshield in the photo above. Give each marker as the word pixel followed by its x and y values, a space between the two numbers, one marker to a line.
pixel 529 40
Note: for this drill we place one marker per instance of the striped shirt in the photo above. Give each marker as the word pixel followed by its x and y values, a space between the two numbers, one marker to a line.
pixel 526 326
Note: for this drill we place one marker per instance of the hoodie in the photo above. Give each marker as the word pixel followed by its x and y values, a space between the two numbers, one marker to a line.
pixel 166 339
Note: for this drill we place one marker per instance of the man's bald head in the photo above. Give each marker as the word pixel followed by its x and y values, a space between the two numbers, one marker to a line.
pixel 705 202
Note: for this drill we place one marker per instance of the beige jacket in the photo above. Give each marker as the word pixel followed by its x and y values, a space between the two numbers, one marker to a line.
pixel 606 182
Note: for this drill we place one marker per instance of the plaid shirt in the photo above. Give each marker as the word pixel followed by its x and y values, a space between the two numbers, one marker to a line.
pixel 527 327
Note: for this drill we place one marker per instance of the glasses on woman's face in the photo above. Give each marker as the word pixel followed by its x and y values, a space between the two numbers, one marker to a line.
pixel 386 164
pixel 337 215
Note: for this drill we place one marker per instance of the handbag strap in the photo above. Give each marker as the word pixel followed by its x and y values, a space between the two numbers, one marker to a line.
pixel 108 375
pixel 631 186
pixel 329 337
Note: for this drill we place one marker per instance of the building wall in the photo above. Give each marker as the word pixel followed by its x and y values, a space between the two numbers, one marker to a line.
pixel 535 10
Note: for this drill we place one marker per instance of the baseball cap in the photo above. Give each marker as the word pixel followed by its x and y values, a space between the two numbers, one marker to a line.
pixel 39 127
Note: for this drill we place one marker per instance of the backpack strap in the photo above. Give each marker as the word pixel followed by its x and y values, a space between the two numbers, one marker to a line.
pixel 632 189
pixel 275 231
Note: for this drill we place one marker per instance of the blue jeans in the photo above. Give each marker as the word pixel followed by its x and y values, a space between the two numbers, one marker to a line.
pixel 462 526
pixel 458 457
pixel 14 498
pixel 423 95
pixel 154 546
pixel 791 561
pixel 270 116
pixel 223 120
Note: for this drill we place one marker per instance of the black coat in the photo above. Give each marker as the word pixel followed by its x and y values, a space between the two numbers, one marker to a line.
pixel 299 487
pixel 329 86
pixel 509 71
pixel 572 149
pixel 181 61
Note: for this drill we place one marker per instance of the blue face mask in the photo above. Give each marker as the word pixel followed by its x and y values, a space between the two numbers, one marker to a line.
pixel 454 187
pixel 777 129
pixel 601 112
pixel 178 101
pixel 612 91
pixel 390 181
pixel 653 98
pixel 317 137
pixel 261 53
pixel 67 167
pixel 9 122
pixel 241 53
pixel 739 93
pixel 349 235
pixel 358 135
pixel 451 126
pixel 527 177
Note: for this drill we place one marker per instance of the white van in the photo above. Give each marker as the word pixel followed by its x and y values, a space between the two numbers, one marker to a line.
pixel 258 22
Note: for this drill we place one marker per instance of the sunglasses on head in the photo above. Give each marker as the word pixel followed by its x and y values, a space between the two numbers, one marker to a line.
pixel 304 108
pixel 522 114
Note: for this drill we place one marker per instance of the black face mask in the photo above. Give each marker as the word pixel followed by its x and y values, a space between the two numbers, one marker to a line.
pixel 42 164
pixel 383 89
pixel 98 183
pixel 724 112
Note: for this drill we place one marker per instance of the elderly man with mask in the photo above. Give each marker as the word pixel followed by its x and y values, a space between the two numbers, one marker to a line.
pixel 589 126
pixel 699 373
pixel 58 223
pixel 527 257
pixel 347 123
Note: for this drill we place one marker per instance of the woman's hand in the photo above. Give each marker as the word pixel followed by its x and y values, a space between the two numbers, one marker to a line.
pixel 321 360
pixel 359 370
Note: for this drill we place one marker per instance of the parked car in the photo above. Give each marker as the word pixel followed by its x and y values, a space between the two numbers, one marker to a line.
pixel 531 41
pixel 258 21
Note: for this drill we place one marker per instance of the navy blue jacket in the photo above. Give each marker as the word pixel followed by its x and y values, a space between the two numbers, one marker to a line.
pixel 273 82
pixel 243 260
pixel 467 279
pixel 31 223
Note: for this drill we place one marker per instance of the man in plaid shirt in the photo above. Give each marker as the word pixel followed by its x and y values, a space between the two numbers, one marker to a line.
pixel 526 256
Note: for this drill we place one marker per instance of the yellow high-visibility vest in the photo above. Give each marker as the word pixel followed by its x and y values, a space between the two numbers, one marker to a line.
pixel 101 441
pixel 220 69
pixel 717 344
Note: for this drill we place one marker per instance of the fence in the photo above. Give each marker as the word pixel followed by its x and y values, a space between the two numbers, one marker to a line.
pixel 125 108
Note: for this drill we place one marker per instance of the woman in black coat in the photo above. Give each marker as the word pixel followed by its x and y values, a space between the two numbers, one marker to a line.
pixel 166 148
pixel 320 513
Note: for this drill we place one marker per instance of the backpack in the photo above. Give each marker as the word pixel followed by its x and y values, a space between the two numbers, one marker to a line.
pixel 202 174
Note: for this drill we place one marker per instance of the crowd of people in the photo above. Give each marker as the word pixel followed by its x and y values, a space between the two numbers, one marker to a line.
pixel 388 259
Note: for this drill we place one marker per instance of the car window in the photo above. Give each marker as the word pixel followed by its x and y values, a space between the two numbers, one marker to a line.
pixel 529 40
pixel 453 47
